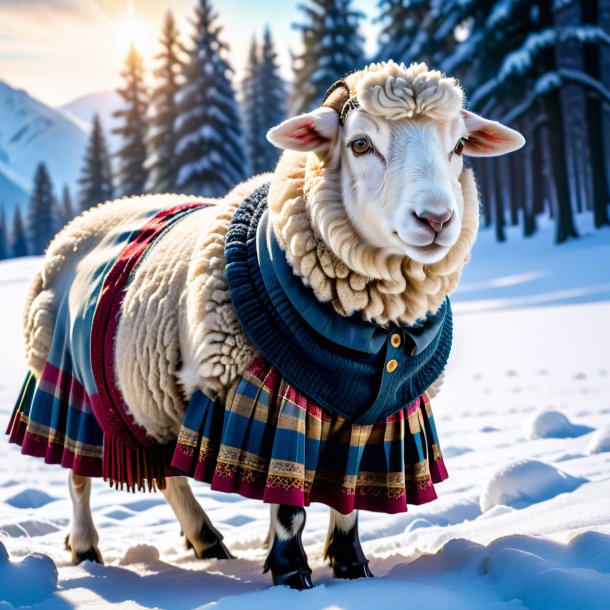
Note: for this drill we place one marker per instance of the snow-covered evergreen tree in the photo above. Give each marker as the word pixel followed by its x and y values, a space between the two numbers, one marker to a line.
pixel 273 104
pixel 96 175
pixel 4 244
pixel 162 129
pixel 66 212
pixel 405 29
pixel 132 174
pixel 209 150
pixel 263 105
pixel 332 48
pixel 42 214
pixel 250 110
pixel 19 241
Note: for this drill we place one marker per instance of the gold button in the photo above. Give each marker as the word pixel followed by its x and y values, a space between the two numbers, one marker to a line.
pixel 395 340
pixel 391 366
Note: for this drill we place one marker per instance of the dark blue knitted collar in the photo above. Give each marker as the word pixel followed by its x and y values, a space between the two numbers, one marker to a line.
pixel 341 363
pixel 351 332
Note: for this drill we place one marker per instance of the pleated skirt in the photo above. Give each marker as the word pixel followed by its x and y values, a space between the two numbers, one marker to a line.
pixel 268 441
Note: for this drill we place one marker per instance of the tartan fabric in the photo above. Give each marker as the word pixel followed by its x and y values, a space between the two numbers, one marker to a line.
pixel 53 418
pixel 270 442
pixel 74 414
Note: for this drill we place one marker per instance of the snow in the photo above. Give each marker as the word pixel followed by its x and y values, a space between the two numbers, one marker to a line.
pixel 553 424
pixel 532 337
pixel 600 441
pixel 30 580
pixel 525 482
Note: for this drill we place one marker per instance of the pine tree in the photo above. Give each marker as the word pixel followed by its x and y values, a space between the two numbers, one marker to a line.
pixel 19 245
pixel 66 212
pixel 162 125
pixel 250 111
pixel 42 211
pixel 4 245
pixel 209 151
pixel 333 47
pixel 272 110
pixel 263 105
pixel 405 27
pixel 96 175
pixel 132 173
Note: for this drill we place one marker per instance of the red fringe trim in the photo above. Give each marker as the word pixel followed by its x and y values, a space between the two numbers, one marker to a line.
pixel 135 469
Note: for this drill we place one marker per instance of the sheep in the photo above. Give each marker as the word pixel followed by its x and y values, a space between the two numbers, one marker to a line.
pixel 373 214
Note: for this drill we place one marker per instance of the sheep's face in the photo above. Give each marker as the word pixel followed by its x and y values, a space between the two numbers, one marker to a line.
pixel 387 150
pixel 400 182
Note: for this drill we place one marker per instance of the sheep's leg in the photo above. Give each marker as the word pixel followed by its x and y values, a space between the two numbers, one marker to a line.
pixel 200 534
pixel 343 547
pixel 82 539
pixel 287 560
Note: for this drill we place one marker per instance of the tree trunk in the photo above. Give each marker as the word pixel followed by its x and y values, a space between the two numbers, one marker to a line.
pixel 514 167
pixel 482 174
pixel 527 160
pixel 565 227
pixel 498 200
pixel 595 120
pixel 537 167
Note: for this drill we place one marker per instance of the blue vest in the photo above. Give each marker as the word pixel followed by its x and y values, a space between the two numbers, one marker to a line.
pixel 356 369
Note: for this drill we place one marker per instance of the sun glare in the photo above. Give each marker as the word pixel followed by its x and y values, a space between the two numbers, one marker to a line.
pixel 131 31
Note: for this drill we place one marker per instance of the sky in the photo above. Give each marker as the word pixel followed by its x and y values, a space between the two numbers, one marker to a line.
pixel 59 50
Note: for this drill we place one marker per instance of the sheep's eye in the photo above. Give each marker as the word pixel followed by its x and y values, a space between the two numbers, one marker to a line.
pixel 459 147
pixel 361 146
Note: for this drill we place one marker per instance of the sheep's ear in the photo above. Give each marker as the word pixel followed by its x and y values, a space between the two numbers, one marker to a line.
pixel 312 131
pixel 489 138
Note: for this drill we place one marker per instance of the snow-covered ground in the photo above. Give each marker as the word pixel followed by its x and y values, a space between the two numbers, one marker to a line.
pixel 522 522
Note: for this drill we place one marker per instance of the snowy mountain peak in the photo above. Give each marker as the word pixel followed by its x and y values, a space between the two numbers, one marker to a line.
pixel 31 132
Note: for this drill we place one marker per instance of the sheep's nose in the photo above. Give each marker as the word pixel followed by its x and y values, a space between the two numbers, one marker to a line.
pixel 436 221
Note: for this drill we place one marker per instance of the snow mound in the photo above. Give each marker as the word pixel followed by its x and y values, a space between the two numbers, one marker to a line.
pixel 600 441
pixel 525 482
pixel 552 424
pixel 141 553
pixel 28 581
pixel 30 498
pixel 547 576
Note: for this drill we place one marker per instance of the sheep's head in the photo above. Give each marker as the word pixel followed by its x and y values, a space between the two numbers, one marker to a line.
pixel 386 152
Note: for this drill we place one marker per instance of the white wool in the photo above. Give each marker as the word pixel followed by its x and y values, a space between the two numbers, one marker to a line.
pixel 395 92
pixel 178 313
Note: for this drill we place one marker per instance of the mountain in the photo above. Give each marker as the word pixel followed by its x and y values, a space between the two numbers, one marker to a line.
pixel 30 132
pixel 104 103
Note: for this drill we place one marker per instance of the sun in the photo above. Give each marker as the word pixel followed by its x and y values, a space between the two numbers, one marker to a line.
pixel 131 31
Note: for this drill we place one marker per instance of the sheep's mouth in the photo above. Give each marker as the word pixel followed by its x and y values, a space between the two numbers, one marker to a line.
pixel 424 253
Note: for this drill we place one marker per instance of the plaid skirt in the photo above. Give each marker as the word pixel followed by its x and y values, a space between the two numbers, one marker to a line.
pixel 268 441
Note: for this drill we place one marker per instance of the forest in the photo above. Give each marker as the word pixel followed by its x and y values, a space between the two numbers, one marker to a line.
pixel 540 66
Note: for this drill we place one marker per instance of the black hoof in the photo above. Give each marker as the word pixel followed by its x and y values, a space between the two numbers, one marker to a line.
pixel 91 554
pixel 217 551
pixel 295 580
pixel 214 549
pixel 351 572
pixel 88 555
